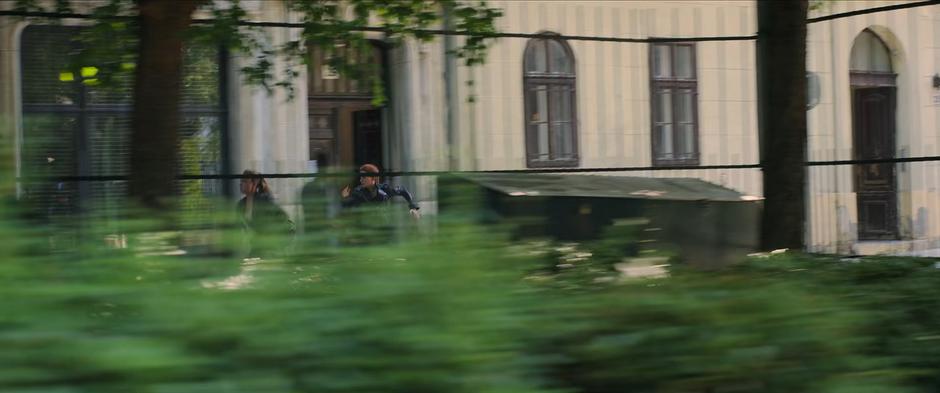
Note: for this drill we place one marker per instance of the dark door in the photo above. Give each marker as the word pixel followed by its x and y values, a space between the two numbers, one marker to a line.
pixel 873 112
pixel 367 131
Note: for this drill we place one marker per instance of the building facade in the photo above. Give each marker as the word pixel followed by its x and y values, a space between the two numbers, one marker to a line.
pixel 558 103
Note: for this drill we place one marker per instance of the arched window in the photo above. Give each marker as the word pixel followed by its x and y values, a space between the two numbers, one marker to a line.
pixel 870 54
pixel 551 132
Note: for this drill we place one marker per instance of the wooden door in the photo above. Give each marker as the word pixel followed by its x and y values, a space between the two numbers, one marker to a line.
pixel 873 128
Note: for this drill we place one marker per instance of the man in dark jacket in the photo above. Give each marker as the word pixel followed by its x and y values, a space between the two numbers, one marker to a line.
pixel 370 190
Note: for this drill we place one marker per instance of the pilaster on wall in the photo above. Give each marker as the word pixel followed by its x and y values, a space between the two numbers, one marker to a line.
pixel 9 109
pixel 416 138
pixel 268 129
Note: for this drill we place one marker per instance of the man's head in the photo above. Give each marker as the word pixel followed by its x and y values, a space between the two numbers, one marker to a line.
pixel 368 175
pixel 252 183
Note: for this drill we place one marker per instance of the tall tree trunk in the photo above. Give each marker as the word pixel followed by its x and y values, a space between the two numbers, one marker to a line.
pixel 155 122
pixel 781 62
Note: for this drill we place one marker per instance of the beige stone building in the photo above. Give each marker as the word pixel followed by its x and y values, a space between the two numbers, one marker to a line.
pixel 573 103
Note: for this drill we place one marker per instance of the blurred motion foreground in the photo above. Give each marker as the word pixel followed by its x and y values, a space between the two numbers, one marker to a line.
pixel 465 308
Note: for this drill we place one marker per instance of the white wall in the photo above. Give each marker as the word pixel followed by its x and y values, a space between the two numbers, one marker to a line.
pixel 913 36
pixel 613 85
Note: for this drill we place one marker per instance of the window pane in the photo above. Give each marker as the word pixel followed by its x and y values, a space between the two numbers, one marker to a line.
pixel 541 105
pixel 861 53
pixel 561 104
pixel 109 138
pixel 664 106
pixel 662 66
pixel 200 145
pixel 564 140
pixel 200 74
pixel 48 145
pixel 684 106
pixel 570 147
pixel 537 104
pixel 560 63
pixel 881 60
pixel 48 150
pixel 45 79
pixel 535 56
pixel 665 141
pixel 542 136
pixel 200 154
pixel 684 62
pixel 120 91
pixel 870 54
pixel 685 141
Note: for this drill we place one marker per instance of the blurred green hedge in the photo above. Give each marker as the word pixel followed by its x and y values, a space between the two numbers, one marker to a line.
pixel 462 310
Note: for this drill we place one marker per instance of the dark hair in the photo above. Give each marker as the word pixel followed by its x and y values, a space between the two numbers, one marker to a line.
pixel 262 184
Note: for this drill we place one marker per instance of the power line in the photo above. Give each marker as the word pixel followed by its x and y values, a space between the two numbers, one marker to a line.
pixel 898 160
pixel 873 10
pixel 291 25
pixel 403 173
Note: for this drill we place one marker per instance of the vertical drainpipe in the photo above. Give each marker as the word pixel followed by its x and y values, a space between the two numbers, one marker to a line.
pixel 450 91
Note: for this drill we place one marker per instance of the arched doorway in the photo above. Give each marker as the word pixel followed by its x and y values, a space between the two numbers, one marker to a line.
pixel 874 107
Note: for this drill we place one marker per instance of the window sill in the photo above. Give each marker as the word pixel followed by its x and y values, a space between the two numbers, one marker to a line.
pixel 552 164
pixel 671 163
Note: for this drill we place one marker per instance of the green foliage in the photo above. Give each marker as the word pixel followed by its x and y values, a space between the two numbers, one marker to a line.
pixel 365 305
pixel 589 265
pixel 818 5
pixel 700 333
pixel 339 27
pixel 373 318
pixel 900 298
pixel 59 6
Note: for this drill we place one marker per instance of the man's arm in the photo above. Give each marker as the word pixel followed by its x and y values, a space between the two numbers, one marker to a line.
pixel 402 192
pixel 351 199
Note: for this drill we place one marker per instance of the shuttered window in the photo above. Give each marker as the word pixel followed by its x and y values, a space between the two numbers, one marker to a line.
pixel 74 126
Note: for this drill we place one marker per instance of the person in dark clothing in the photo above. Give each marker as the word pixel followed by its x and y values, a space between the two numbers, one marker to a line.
pixel 266 223
pixel 370 190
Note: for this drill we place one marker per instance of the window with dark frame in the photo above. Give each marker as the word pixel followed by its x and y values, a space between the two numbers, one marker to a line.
pixel 72 126
pixel 674 104
pixel 551 122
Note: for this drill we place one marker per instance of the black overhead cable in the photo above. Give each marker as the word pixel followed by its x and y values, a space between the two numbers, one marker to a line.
pixel 513 35
pixel 293 25
pixel 518 171
pixel 873 10
pixel 403 173
pixel 297 25
pixel 899 160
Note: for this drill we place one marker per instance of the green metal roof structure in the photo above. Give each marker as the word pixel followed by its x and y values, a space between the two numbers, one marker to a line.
pixel 580 185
